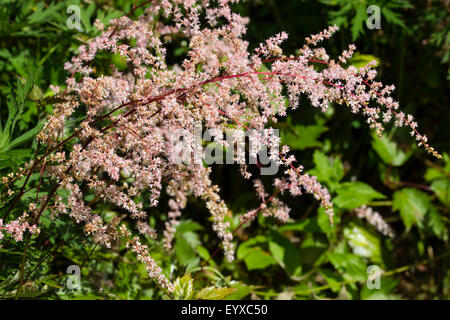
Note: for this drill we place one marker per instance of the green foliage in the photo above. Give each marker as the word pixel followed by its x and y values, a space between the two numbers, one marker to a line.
pixel 351 195
pixel 16 102
pixel 389 151
pixel 300 137
pixel 412 204
pixel 363 242
pixel 253 255
pixel 353 13
pixel 184 288
pixel 350 266
pixel 329 171
pixel 359 60
pixel 285 253
pixel 187 242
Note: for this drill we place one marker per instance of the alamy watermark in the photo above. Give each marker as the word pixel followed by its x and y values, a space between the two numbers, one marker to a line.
pixel 373 277
pixel 374 20
pixel 232 146
pixel 74 20
pixel 74 280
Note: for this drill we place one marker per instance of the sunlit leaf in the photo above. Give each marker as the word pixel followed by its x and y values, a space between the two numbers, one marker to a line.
pixel 412 204
pixel 352 195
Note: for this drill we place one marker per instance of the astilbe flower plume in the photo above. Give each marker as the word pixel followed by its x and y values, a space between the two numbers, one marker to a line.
pixel 375 219
pixel 122 147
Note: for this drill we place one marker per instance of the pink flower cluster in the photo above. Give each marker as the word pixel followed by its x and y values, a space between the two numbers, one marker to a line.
pixel 375 219
pixel 16 228
pixel 120 157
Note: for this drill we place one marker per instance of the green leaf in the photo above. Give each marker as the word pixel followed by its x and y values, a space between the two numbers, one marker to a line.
pixel 23 138
pixel 44 13
pixel 358 21
pixel 6 134
pixel 24 89
pixel 14 158
pixel 303 137
pixel 389 151
pixel 392 17
pixel 213 293
pixel 86 14
pixel 247 246
pixel 253 255
pixel 119 61
pixel 204 254
pixel 258 259
pixel 285 253
pixel 242 290
pixel 361 60
pixel 184 288
pixel 186 242
pixel 433 174
pixel 48 280
pixel 442 189
pixel 436 172
pixel 363 242
pixel 188 225
pixel 327 170
pixel 412 204
pixel 351 266
pixel 352 195
pixel 185 247
pixel 15 106
pixel 437 224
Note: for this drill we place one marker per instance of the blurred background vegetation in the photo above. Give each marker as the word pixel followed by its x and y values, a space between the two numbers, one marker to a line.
pixel 306 258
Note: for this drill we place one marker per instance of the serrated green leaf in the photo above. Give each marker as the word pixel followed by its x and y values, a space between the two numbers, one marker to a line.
pixel 184 251
pixel 253 255
pixel 358 21
pixel 302 137
pixel 352 195
pixel 14 158
pixel 351 266
pixel 392 17
pixel 247 246
pixel 327 170
pixel 184 288
pixel 412 204
pixel 258 259
pixel 389 151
